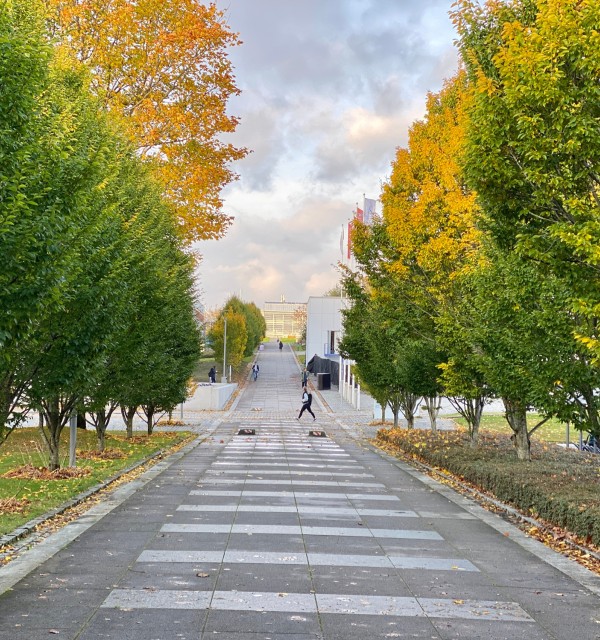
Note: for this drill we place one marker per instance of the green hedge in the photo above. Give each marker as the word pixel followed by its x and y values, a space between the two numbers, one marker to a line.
pixel 558 486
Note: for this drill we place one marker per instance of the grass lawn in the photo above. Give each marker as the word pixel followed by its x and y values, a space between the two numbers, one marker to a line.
pixel 27 497
pixel 551 431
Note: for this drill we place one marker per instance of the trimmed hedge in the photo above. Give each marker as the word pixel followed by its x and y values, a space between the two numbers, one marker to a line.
pixel 559 486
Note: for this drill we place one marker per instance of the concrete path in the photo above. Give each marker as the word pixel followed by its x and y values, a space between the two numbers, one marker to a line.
pixel 285 536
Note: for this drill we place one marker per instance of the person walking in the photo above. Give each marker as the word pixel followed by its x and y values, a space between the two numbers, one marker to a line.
pixel 212 375
pixel 306 403
pixel 280 345
pixel 255 370
pixel 304 377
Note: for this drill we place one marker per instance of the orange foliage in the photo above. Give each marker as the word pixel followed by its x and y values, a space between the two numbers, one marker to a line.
pixel 163 66
pixel 430 212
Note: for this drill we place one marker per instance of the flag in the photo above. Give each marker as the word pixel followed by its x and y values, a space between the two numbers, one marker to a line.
pixel 342 243
pixel 369 210
pixel 359 214
pixel 349 240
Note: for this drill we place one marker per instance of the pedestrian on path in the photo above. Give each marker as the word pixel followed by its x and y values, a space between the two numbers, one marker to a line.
pixel 255 369
pixel 306 402
pixel 212 375
pixel 280 345
pixel 304 377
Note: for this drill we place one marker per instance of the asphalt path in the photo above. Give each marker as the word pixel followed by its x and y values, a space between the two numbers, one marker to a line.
pixel 287 535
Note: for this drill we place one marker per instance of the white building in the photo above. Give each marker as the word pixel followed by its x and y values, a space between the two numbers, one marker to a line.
pixel 323 326
pixel 284 319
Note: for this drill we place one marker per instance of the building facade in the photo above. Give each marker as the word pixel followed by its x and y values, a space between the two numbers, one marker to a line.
pixel 323 326
pixel 284 319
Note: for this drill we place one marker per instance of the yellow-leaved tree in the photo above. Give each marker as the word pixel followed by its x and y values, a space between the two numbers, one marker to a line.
pixel 163 66
pixel 429 210
pixel 431 222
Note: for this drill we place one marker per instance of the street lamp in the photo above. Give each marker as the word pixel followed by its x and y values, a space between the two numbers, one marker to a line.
pixel 224 376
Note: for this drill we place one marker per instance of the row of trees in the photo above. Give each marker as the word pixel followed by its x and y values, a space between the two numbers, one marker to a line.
pixel 96 288
pixel 481 280
pixel 246 327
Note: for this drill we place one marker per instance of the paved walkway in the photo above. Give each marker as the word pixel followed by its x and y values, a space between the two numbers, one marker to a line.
pixel 285 536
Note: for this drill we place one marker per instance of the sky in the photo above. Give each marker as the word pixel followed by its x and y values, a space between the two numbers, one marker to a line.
pixel 329 91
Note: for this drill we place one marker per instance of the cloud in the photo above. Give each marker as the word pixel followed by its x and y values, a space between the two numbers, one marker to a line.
pixel 329 91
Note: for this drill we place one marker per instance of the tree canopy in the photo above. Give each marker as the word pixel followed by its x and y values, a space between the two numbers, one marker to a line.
pixel 162 66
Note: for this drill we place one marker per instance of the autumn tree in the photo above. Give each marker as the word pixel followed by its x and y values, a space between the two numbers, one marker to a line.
pixel 429 210
pixel 256 326
pixel 163 66
pixel 533 152
pixel 235 340
pixel 430 217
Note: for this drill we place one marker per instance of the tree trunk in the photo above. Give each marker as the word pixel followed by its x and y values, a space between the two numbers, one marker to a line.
pixel 383 413
pixel 433 404
pixel 475 410
pixel 470 409
pixel 394 405
pixel 101 424
pixel 149 411
pixel 408 403
pixel 128 414
pixel 52 433
pixel 516 415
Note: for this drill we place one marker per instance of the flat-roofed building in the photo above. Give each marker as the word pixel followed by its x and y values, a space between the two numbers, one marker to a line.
pixel 285 319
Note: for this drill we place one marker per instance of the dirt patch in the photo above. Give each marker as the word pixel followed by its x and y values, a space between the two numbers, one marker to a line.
pixel 107 454
pixel 12 505
pixel 29 472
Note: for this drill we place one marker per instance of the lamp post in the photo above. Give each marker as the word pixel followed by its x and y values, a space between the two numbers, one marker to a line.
pixel 224 376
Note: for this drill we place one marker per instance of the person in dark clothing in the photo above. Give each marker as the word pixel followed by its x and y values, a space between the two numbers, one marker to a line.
pixel 280 345
pixel 306 402
pixel 212 375
pixel 304 377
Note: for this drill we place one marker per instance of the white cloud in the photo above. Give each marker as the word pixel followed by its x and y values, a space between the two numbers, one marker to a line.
pixel 330 89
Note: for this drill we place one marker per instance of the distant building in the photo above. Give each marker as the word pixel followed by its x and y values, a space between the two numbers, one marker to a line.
pixel 284 319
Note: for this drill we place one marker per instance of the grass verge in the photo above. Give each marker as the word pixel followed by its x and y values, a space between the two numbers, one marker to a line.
pixel 551 431
pixel 27 491
pixel 558 486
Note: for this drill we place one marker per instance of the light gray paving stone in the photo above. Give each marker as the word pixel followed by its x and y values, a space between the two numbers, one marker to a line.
pixel 160 599
pixel 263 601
pixel 316 559
pixel 266 472
pixel 172 555
pixel 310 603
pixel 288 465
pixel 293 482
pixel 301 509
pixel 254 529
pixel 298 495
